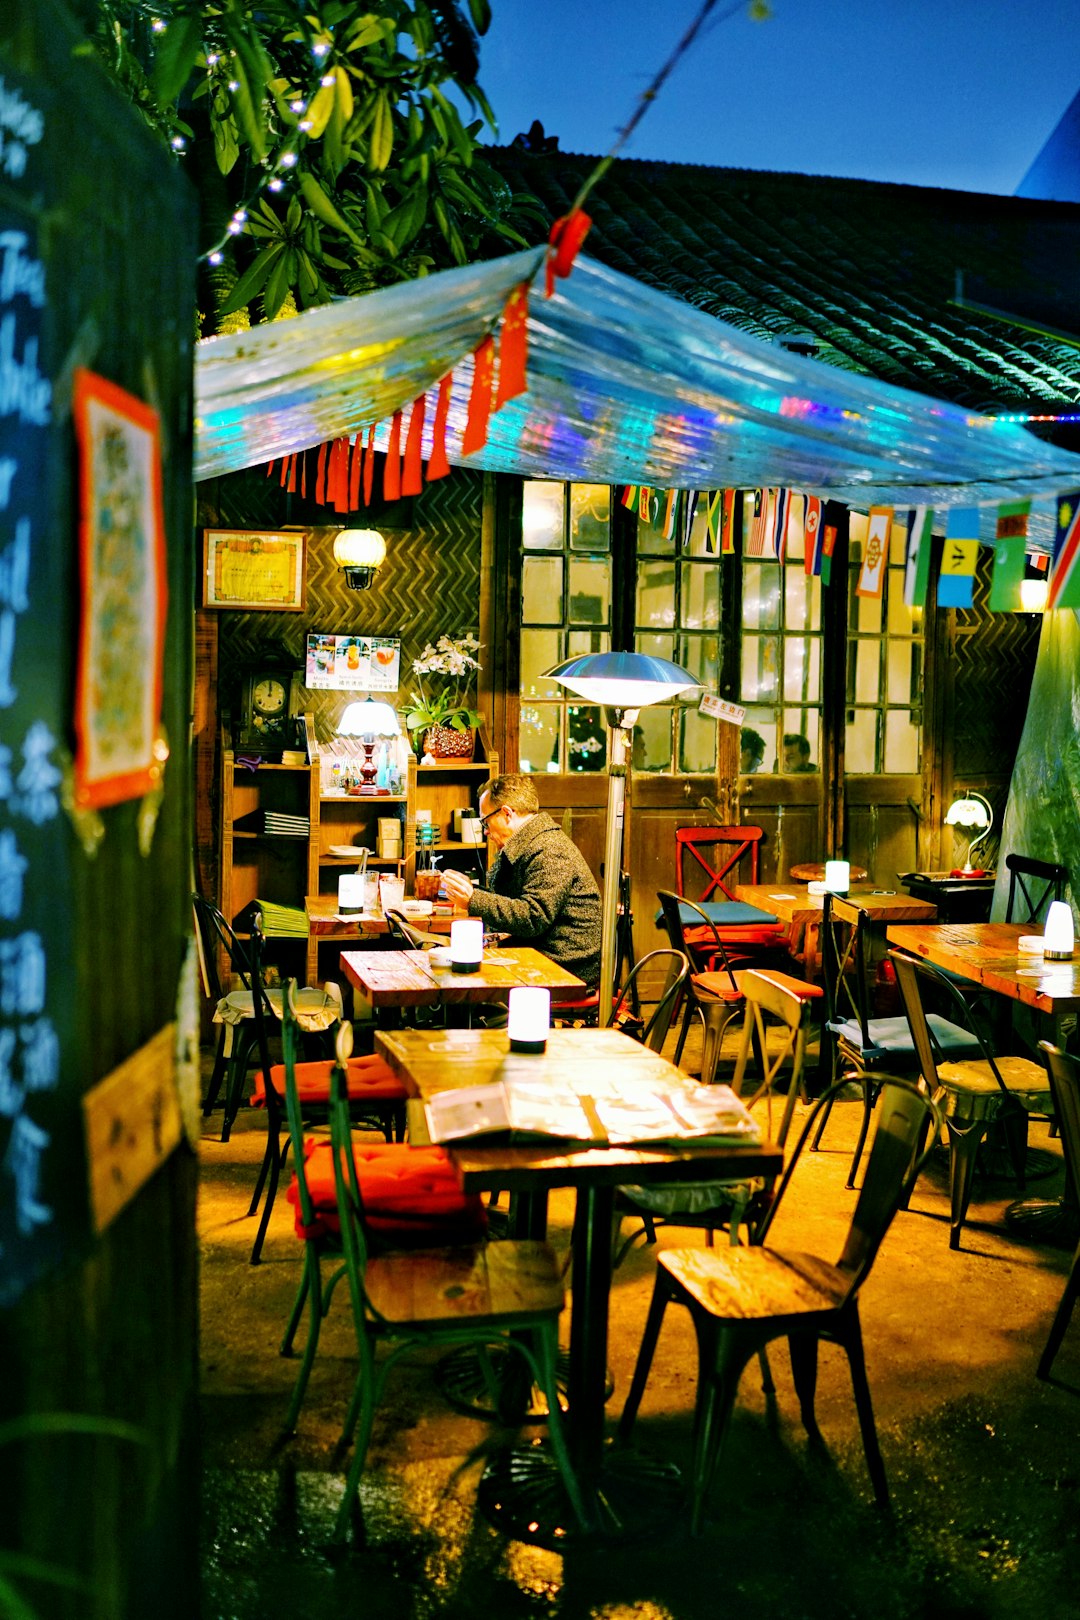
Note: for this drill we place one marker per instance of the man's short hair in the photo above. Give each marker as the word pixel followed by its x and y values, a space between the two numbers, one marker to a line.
pixel 796 739
pixel 513 789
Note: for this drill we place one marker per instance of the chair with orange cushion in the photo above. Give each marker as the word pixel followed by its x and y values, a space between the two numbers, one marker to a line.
pixel 411 1200
pixel 707 867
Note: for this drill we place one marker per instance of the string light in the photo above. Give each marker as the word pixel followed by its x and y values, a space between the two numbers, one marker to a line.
pixel 1070 416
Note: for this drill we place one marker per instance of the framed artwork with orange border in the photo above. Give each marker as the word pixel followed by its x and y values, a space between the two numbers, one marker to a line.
pixel 124 595
pixel 261 570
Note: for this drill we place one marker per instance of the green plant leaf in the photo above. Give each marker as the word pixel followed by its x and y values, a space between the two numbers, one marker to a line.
pixel 253 278
pixel 175 57
pixel 382 133
pixel 322 207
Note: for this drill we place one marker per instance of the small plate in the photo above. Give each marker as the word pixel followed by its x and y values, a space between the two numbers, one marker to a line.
pixel 346 851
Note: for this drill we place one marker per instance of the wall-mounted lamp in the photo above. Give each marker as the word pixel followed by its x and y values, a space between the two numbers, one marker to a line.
pixel 359 552
pixel 973 814
pixel 1033 593
pixel 368 721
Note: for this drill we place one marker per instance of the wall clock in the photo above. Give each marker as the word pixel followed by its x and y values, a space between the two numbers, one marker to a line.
pixel 265 723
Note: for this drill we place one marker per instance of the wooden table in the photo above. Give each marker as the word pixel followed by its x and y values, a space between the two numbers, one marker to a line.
pixel 395 979
pixel 627 1495
pixel 987 954
pixel 325 924
pixel 802 910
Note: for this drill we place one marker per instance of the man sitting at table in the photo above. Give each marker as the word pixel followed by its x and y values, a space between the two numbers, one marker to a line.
pixel 539 888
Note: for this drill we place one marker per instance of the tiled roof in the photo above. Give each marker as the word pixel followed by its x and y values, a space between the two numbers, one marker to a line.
pixel 869 270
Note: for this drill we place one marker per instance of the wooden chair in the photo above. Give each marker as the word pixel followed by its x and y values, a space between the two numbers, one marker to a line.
pixel 855 1045
pixel 707 862
pixel 1065 1086
pixel 709 1205
pixel 411 1196
pixel 508 1294
pixel 740 1299
pixel 714 989
pixel 976 1092
pixel 1032 886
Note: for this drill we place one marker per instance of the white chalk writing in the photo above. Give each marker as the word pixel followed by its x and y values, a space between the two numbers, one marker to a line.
pixel 24 392
pixel 35 796
pixel 22 975
pixel 18 117
pixel 12 867
pixel 22 1160
pixel 18 272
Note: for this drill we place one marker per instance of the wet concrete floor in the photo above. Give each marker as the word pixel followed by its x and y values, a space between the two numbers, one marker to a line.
pixel 982 1459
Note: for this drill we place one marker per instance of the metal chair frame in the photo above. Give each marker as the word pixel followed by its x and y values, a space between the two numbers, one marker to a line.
pixel 1023 869
pixel 1064 1072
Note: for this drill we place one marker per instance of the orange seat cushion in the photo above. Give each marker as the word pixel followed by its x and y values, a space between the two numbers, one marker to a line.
pixel 411 1194
pixel 371 1079
pixel 794 987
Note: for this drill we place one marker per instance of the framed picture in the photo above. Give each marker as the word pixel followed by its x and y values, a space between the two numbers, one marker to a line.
pixel 263 569
pixel 122 570
pixel 352 663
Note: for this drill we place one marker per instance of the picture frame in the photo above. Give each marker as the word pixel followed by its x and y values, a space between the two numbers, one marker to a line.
pixel 119 677
pixel 256 570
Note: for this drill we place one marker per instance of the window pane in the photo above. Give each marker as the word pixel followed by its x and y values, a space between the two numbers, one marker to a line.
pixel 655 646
pixel 700 606
pixel 542 516
pixel 760 674
pixel 901 742
pixel 590 517
pixel 697 742
pixel 905 667
pixel 587 641
pixel 590 591
pixel 901 618
pixel 860 747
pixel 761 596
pixel 539 651
pixel 652 739
pixel 800 743
pixel 656 595
pixel 802 601
pixel 802 673
pixel 586 738
pixel 539 743
pixel 541 590
pixel 864 671
pixel 758 739
pixel 701 656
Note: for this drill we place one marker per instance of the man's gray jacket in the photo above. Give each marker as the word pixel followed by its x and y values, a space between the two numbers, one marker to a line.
pixel 540 890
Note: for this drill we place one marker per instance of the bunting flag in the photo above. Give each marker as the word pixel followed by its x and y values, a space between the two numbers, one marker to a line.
pixel 412 472
pixel 566 237
pixel 320 474
pixel 1010 569
pixel 755 540
pixel 768 523
pixel 630 496
pixel 513 346
pixel 956 582
pixel 369 464
pixel 339 480
pixel 782 511
pixel 1012 520
pixel 644 502
pixel 834 522
pixel 917 563
pixel 812 535
pixel 714 501
pixel 688 513
pixel 875 560
pixel 669 514
pixel 392 467
pixel 292 475
pixel 438 466
pixel 727 523
pixel 476 426
pixel 356 467
pixel 1064 589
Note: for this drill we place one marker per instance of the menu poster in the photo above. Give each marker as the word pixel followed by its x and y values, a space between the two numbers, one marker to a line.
pixel 38 1214
pixel 353 663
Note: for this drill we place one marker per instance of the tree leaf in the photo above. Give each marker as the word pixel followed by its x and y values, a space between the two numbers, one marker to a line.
pixel 322 207
pixel 175 56
pixel 253 278
pixel 480 12
pixel 382 133
pixel 277 287
pixel 344 92
pixel 319 109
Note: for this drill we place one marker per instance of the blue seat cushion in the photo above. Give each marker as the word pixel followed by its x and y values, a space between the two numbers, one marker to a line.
pixel 891 1037
pixel 724 913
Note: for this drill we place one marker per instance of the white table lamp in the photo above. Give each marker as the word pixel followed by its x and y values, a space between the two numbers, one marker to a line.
pixel 528 1018
pixel 466 944
pixel 1059 938
pixel 971 813
pixel 837 877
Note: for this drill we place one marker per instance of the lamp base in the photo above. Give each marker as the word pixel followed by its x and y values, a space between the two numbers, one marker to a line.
pixel 527 1046
pixel 465 967
pixel 1057 956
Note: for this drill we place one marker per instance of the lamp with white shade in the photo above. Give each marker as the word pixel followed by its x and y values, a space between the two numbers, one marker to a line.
pixel 621 683
pixel 369 721
pixel 1059 937
pixel 359 552
pixel 971 813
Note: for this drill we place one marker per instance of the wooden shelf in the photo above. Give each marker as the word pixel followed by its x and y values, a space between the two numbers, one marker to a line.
pixel 363 798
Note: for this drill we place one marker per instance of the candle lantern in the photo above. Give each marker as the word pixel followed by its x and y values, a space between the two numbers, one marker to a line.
pixel 351 888
pixel 528 1018
pixel 1059 937
pixel 837 877
pixel 466 944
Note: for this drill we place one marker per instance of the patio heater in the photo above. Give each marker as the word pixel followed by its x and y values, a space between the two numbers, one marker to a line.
pixel 621 683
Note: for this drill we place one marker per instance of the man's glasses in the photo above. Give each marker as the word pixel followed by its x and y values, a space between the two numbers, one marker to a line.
pixel 491 815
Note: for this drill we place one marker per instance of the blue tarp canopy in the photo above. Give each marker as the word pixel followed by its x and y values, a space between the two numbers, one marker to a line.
pixel 626 385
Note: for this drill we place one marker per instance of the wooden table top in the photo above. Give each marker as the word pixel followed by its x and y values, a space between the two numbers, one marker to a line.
pixel 324 922
pixel 411 979
pixel 793 903
pixel 988 954
pixel 576 1060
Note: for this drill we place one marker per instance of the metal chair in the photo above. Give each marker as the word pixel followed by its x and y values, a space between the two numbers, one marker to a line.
pixel 713 992
pixel 508 1294
pixel 1028 902
pixel 740 1299
pixel 1065 1086
pixel 860 1047
pixel 707 861
pixel 976 1091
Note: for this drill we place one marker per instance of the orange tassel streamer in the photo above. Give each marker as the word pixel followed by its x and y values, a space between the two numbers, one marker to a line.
pixel 292 475
pixel 438 466
pixel 355 468
pixel 412 476
pixel 513 346
pixel 476 428
pixel 270 467
pixel 369 464
pixel 392 470
pixel 567 235
pixel 320 475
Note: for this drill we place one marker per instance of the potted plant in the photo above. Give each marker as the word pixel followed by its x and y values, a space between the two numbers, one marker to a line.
pixel 440 716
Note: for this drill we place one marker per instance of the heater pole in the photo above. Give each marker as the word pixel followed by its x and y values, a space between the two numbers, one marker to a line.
pixel 620 721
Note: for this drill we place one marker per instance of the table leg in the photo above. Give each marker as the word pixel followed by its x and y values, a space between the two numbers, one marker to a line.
pixel 1048 1220
pixel 627 1495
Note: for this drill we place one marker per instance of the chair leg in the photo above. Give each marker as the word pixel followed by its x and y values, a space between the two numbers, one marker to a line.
pixel 803 1349
pixel 217 1074
pixel 685 1030
pixel 276 1162
pixel 853 1345
pixel 364 1397
pixel 867 1107
pixel 822 1122
pixel 661 1293
pixel 1061 1319
pixel 723 1352
pixel 312 1287
pixel 238 1067
pixel 963 1147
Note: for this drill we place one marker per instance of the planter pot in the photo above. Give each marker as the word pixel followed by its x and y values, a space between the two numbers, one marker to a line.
pixel 443 742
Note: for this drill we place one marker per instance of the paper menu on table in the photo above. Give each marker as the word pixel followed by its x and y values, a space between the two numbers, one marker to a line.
pixel 655 1115
pixel 521 1109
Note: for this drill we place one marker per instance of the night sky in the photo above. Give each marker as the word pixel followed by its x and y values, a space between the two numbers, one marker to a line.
pixel 953 93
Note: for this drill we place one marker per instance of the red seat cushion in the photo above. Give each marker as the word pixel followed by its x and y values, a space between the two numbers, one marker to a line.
pixel 411 1194
pixel 757 934
pixel 795 987
pixel 371 1079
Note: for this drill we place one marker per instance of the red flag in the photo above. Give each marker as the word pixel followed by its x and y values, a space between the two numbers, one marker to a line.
pixel 567 235
pixel 513 346
pixel 269 468
pixel 355 468
pixel 438 466
pixel 476 427
pixel 292 475
pixel 337 485
pixel 412 480
pixel 812 535
pixel 369 464
pixel 392 470
pixel 320 475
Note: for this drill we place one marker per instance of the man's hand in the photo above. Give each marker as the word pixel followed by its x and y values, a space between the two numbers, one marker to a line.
pixel 458 887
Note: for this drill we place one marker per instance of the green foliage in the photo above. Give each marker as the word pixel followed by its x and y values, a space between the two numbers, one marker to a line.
pixel 326 140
